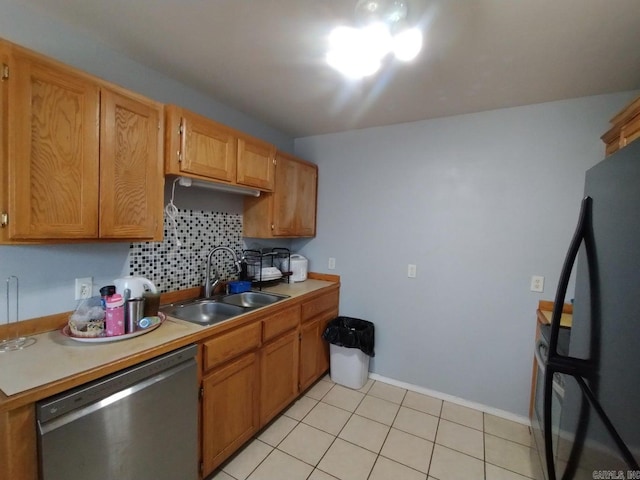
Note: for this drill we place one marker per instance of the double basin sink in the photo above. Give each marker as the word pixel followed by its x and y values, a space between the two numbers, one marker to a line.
pixel 208 311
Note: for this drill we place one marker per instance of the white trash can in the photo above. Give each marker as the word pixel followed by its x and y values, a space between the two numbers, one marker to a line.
pixel 349 366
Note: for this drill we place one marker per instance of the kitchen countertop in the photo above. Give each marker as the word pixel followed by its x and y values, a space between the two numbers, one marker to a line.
pixel 54 357
pixel 545 313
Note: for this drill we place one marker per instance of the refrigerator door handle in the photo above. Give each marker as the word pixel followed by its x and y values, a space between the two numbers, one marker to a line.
pixel 555 362
pixel 565 274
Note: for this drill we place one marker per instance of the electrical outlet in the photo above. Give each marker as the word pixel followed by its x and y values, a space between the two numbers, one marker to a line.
pixel 537 283
pixel 412 271
pixel 332 263
pixel 84 288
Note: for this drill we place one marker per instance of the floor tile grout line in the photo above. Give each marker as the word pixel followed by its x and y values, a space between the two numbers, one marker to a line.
pixel 435 436
pixel 379 454
pixel 484 446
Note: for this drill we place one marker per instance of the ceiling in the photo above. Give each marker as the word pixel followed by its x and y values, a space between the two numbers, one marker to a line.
pixel 266 57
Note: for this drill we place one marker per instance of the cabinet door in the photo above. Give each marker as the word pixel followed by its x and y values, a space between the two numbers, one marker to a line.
pixel 131 174
pixel 309 353
pixel 309 333
pixel 279 375
pixel 208 148
pixel 53 154
pixel 256 164
pixel 314 350
pixel 307 185
pixel 229 409
pixel 294 201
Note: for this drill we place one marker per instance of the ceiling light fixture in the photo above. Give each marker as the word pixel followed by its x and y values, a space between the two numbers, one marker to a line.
pixel 382 29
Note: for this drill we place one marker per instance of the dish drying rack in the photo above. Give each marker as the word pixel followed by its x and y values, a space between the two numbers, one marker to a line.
pixel 257 260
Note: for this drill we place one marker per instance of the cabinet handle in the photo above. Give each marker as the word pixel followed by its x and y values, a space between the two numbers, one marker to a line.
pixel 183 140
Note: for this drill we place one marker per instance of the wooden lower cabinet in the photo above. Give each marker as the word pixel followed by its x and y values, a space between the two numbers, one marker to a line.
pixel 18 444
pixel 229 413
pixel 314 351
pixel 279 375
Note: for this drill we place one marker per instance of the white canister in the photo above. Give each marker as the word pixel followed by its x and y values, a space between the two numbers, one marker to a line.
pixel 299 268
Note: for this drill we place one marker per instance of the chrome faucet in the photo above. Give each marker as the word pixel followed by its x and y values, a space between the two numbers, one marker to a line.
pixel 209 286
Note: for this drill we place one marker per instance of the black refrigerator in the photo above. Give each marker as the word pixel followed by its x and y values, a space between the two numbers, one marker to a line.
pixel 598 435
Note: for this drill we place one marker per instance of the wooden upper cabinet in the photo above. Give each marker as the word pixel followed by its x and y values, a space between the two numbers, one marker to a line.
pixel 625 129
pixel 202 148
pixel 199 146
pixel 295 208
pixel 256 163
pixel 53 157
pixel 131 175
pixel 81 158
pixel 290 211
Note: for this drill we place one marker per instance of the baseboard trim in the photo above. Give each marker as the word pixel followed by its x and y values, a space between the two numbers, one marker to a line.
pixel 450 398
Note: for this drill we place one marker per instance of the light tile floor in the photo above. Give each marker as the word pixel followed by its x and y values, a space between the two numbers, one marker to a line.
pixel 383 432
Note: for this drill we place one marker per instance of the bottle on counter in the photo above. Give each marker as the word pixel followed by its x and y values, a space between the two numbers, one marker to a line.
pixel 105 293
pixel 114 318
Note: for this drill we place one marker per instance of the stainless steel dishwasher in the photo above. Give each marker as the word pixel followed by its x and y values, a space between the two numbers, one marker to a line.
pixel 136 424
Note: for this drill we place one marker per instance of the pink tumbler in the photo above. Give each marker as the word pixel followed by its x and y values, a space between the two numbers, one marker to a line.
pixel 114 321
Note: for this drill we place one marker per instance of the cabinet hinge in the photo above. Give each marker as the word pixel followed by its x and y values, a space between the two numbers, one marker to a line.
pixel 275 162
pixel 4 219
pixel 201 393
pixel 5 71
pixel 201 468
pixel 273 227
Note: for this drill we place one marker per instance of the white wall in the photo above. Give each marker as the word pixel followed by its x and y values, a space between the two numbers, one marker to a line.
pixel 47 273
pixel 479 203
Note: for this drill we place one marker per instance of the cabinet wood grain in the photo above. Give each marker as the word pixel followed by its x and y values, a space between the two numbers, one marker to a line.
pixel 53 151
pixel 131 177
pixel 256 163
pixel 229 413
pixel 625 128
pixel 231 344
pixel 201 148
pixel 18 446
pixel 290 211
pixel 279 375
pixel 81 158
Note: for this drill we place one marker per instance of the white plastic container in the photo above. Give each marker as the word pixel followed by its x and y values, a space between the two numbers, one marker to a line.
pixel 349 366
pixel 299 267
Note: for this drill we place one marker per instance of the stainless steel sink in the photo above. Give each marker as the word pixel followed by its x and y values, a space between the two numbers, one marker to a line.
pixel 252 299
pixel 204 311
pixel 207 311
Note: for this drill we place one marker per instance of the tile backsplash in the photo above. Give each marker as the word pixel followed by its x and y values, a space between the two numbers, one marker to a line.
pixel 172 267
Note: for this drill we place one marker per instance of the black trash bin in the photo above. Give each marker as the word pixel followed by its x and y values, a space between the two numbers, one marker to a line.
pixel 351 344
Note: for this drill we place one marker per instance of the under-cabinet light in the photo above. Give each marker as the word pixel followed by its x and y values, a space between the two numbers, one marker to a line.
pixel 192 182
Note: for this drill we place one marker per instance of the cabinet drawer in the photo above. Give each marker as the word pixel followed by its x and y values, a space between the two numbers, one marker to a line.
pixel 281 322
pixel 318 305
pixel 231 344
